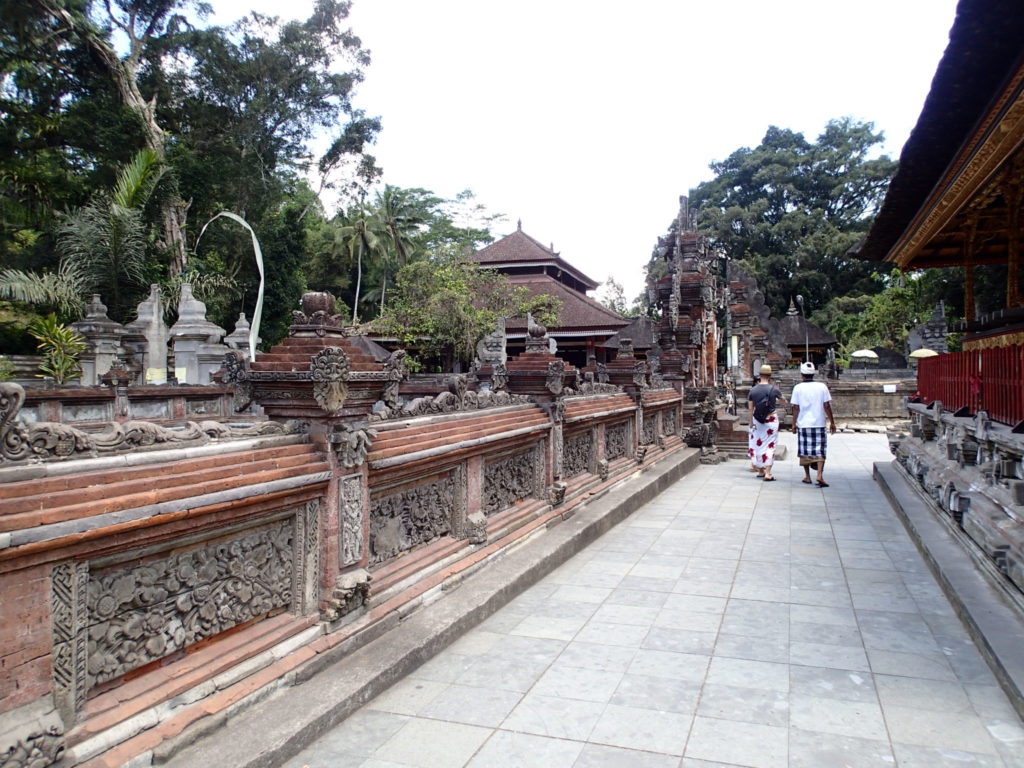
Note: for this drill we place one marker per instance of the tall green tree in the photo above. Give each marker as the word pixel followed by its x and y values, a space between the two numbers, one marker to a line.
pixel 790 209
pixel 443 306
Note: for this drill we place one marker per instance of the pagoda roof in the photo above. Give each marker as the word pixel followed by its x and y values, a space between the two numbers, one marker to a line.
pixel 970 121
pixel 580 314
pixel 642 331
pixel 791 329
pixel 520 250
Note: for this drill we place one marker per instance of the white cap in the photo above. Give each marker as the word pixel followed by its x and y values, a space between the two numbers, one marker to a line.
pixel 807 368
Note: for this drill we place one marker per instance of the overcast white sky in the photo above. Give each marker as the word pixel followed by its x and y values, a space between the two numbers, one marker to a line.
pixel 587 118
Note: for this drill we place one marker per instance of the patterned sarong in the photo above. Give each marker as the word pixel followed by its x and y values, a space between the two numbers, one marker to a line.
pixel 811 444
pixel 761 441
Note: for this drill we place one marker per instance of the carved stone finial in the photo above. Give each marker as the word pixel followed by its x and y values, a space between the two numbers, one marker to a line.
pixel 329 371
pixel 317 316
pixel 625 349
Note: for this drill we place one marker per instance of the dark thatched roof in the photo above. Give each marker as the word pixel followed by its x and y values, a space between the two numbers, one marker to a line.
pixel 986 45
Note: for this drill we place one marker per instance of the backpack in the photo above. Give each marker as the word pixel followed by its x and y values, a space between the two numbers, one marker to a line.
pixel 764 408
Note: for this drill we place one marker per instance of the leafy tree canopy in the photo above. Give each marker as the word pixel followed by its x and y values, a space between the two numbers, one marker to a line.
pixel 790 209
pixel 444 306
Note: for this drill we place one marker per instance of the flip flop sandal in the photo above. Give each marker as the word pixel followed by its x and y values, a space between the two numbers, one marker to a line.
pixel 823 484
pixel 769 479
pixel 806 481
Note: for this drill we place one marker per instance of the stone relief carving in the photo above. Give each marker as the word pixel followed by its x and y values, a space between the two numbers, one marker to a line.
pixel 509 480
pixel 602 373
pixel 448 402
pixel 557 448
pixel 640 374
pixel 329 370
pixel 616 441
pixel 649 431
pixel 306 574
pixel 556 372
pixel 416 515
pixel 394 373
pixel 556 493
pixel 602 469
pixel 499 377
pixel 32 736
pixel 351 493
pixel 577 454
pixel 669 422
pixel 351 593
pixel 459 522
pixel 143 613
pixel 352 442
pixel 69 622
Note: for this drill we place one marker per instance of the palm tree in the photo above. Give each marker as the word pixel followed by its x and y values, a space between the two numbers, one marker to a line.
pixel 103 246
pixel 401 220
pixel 362 233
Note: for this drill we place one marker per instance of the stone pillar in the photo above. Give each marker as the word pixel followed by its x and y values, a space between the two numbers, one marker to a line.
pixel 193 336
pixel 239 338
pixel 146 340
pixel 104 338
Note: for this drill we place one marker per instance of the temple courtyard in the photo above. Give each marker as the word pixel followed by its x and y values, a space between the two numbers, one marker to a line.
pixel 727 622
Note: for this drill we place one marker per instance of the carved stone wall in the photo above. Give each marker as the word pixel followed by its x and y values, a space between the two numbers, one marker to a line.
pixel 414 515
pixel 109 619
pixel 351 496
pixel 578 454
pixel 616 441
pixel 510 479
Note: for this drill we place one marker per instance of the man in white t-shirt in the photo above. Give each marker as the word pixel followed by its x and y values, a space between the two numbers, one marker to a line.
pixel 811 404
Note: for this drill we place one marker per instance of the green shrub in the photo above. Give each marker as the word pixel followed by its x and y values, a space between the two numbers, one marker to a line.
pixel 61 348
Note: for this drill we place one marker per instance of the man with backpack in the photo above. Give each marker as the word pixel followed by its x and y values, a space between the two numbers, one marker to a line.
pixel 811 404
pixel 764 424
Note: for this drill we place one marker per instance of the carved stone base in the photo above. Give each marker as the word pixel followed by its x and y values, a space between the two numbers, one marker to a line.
pixel 31 736
pixel 556 493
pixel 351 594
pixel 476 528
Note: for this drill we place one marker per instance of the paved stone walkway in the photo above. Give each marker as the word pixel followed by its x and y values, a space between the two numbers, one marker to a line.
pixel 729 622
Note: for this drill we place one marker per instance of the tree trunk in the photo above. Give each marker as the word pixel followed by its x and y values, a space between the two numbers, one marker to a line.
pixel 124 74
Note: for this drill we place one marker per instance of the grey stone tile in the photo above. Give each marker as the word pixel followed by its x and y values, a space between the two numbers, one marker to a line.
pixel 643 615
pixel 601 756
pixel 549 627
pixel 695 603
pixel 658 693
pixel 361 734
pixel 748 705
pixel 560 609
pixel 572 594
pixel 433 744
pixel 604 633
pixel 860 719
pixel 820 614
pixel 646 584
pixel 828 683
pixel 676 666
pixel 642 729
pixel 576 683
pixel 735 743
pixel 932 665
pixel 474 643
pixel 745 673
pixel 470 705
pixel 555 717
pixel 622 596
pixel 915 756
pixel 827 655
pixel 824 634
pixel 446 667
pixel 886 602
pixel 408 696
pixel 752 647
pixel 937 695
pixel 695 621
pixel 506 674
pixel 538 649
pixel 679 641
pixel 808 749
pixel 942 730
pixel 523 750
pixel 761 592
pixel 609 658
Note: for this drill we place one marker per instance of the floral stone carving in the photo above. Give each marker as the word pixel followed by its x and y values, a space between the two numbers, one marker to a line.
pixel 616 441
pixel 509 480
pixel 416 515
pixel 141 614
pixel 577 454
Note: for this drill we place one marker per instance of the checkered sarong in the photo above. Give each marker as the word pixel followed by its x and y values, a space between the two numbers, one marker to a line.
pixel 811 443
